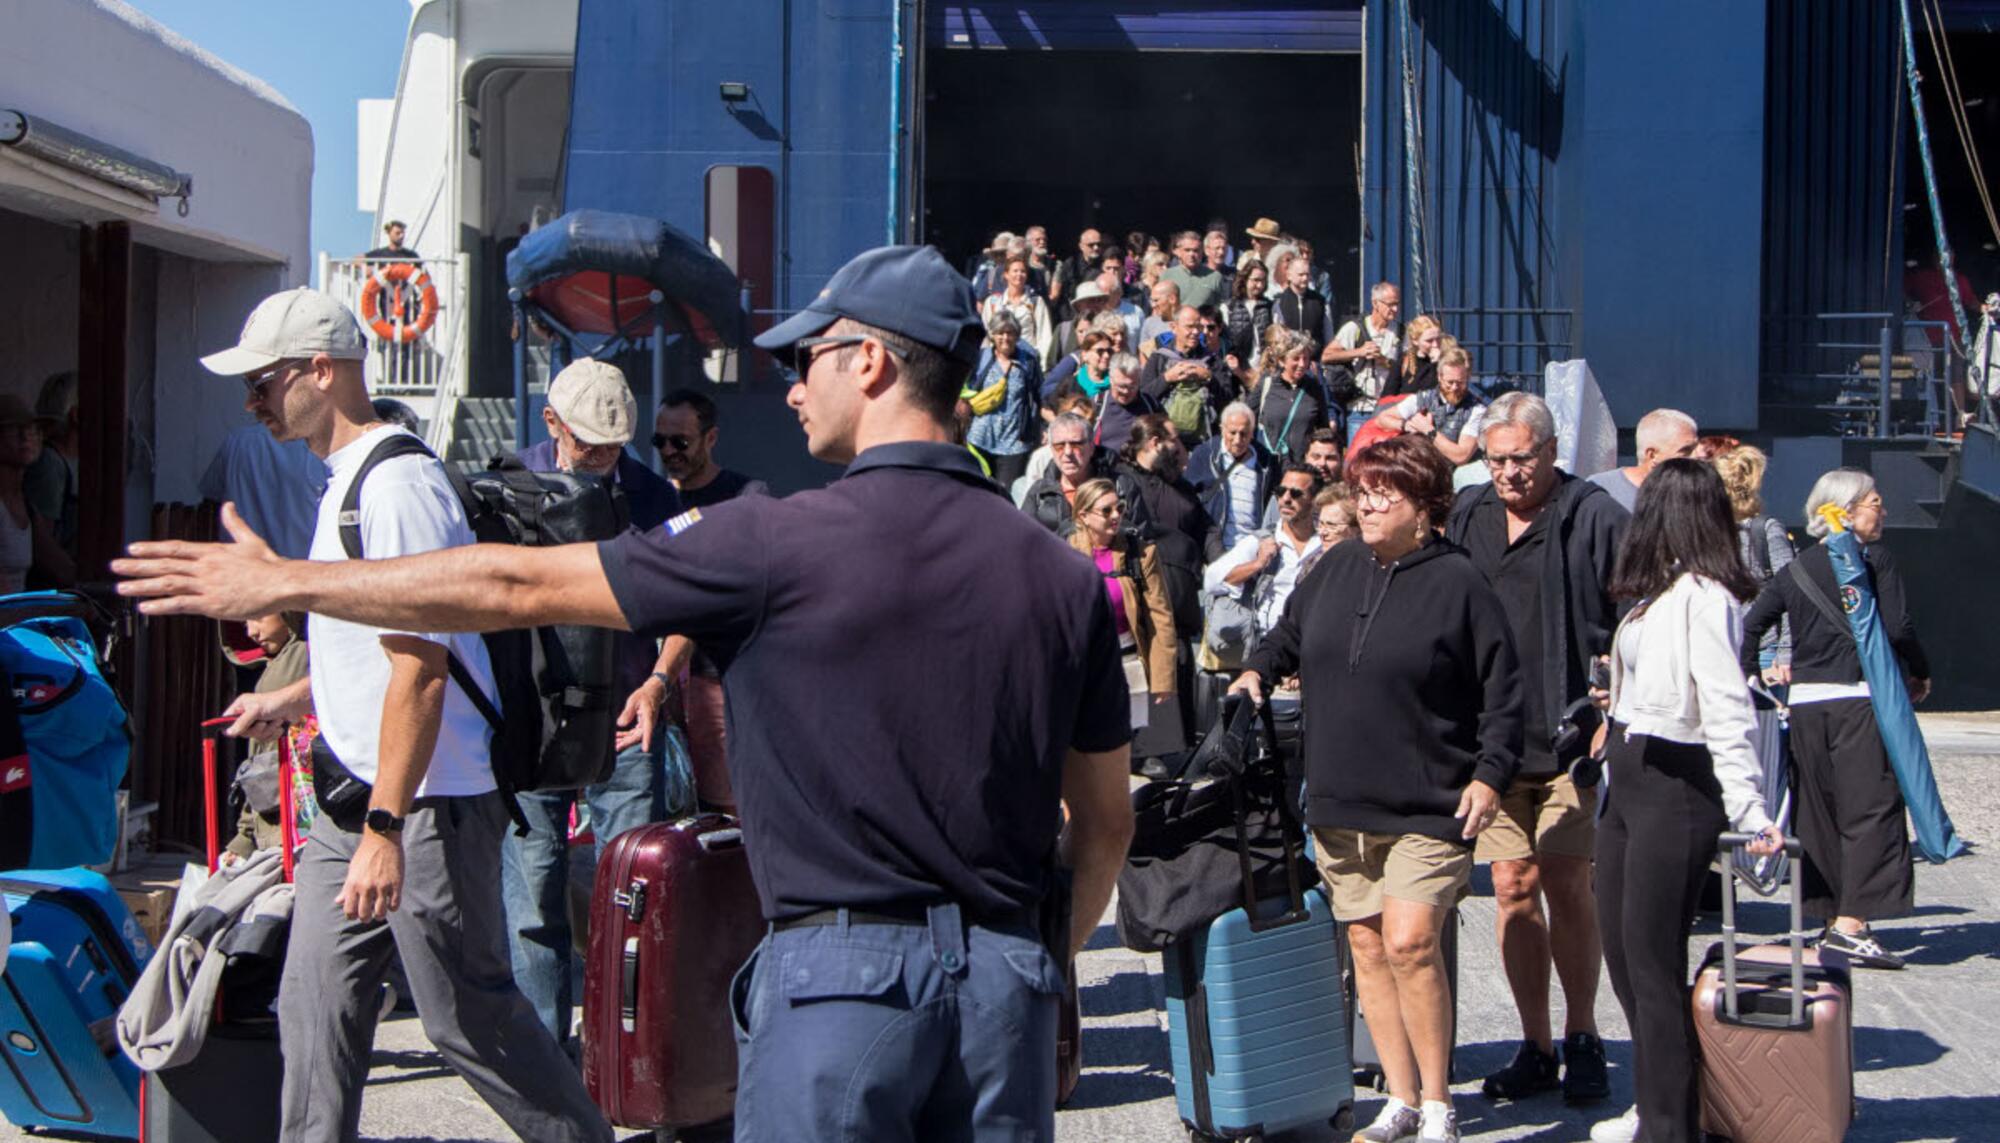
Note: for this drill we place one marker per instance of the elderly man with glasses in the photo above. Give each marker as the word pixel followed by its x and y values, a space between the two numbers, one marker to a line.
pixel 590 419
pixel 1545 541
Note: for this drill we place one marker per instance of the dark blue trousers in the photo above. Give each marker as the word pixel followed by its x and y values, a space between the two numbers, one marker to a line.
pixel 883 1033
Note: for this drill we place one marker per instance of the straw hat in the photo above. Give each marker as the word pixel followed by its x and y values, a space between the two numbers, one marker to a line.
pixel 1267 229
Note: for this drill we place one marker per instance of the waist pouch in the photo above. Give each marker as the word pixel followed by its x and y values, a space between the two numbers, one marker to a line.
pixel 342 797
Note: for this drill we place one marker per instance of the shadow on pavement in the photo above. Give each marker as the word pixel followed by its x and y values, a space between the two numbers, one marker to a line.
pixel 1946 944
pixel 1120 994
pixel 1121 1066
pixel 1881 1049
pixel 1960 1118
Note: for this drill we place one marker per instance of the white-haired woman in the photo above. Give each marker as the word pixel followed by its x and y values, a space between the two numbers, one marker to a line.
pixel 1850 812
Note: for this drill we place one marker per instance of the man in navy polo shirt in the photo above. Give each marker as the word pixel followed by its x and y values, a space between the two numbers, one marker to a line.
pixel 590 417
pixel 899 755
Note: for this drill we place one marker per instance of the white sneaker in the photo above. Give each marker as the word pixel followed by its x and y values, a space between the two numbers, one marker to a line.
pixel 1397 1120
pixel 1623 1129
pixel 1440 1123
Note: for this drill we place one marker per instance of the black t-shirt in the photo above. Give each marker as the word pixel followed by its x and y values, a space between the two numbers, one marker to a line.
pixel 906 660
pixel 1515 570
pixel 727 485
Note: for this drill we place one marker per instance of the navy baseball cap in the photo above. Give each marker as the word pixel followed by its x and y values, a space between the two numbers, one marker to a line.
pixel 909 290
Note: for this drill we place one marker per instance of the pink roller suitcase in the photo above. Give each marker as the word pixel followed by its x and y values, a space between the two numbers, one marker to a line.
pixel 1777 1032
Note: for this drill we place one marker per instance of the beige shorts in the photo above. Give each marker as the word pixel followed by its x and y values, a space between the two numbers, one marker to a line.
pixel 1361 869
pixel 1541 813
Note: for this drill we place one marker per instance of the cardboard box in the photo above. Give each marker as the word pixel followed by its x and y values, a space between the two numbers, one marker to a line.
pixel 149 886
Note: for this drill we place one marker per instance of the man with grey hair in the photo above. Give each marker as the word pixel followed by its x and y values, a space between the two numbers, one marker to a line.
pixel 1233 474
pixel 1076 459
pixel 1663 434
pixel 1122 403
pixel 1368 346
pixel 1166 301
pixel 1546 542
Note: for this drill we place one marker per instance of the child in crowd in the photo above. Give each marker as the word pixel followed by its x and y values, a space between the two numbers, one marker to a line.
pixel 282 638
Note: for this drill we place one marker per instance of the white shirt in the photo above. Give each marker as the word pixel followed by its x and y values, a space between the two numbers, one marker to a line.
pixel 1274 583
pixel 1675 675
pixel 1369 376
pixel 407 507
pixel 1243 481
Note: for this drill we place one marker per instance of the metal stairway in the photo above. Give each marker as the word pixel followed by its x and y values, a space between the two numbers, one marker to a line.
pixel 482 429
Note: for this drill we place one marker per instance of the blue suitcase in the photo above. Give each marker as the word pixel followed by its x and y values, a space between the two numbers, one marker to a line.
pixel 77 952
pixel 1256 1011
pixel 1257 1019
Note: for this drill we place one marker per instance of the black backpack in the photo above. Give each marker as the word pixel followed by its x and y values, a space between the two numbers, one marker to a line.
pixel 558 701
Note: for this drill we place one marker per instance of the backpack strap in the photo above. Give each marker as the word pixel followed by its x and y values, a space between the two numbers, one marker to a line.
pixel 1821 601
pixel 403 444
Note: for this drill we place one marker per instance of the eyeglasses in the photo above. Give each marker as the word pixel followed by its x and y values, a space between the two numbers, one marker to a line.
pixel 256 383
pixel 680 441
pixel 1525 461
pixel 1066 446
pixel 1335 525
pixel 1292 493
pixel 585 447
pixel 1376 501
pixel 806 351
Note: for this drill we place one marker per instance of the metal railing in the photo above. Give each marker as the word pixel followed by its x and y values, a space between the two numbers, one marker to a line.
pixel 421 366
pixel 1888 372
pixel 1510 347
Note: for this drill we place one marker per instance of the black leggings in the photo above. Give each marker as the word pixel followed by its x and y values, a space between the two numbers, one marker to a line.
pixel 1657 834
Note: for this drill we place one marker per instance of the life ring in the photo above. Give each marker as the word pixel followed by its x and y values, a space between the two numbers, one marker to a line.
pixel 393 278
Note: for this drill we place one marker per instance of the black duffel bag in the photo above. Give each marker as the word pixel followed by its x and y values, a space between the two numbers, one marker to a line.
pixel 1218 836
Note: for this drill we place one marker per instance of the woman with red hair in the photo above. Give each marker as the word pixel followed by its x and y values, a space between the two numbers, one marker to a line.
pixel 1413 727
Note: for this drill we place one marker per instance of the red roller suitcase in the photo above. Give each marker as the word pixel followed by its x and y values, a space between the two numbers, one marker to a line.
pixel 673 915
pixel 1777 1032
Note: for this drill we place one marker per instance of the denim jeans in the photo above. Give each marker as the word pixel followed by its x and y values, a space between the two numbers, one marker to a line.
pixel 943 1033
pixel 534 875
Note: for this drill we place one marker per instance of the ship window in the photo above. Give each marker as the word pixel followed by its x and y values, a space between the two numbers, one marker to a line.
pixel 741 226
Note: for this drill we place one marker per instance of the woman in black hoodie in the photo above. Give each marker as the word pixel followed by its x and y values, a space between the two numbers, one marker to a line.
pixel 1412 723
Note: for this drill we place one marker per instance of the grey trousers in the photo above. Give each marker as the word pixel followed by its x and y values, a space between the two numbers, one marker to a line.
pixel 451 932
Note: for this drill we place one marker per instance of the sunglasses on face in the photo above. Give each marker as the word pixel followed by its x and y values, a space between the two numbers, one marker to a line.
pixel 1292 494
pixel 679 441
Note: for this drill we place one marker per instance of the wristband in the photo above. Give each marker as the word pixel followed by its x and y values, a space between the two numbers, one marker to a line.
pixel 665 680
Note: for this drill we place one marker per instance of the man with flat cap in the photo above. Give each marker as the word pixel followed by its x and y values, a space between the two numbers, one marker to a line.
pixel 402 857
pixel 898 757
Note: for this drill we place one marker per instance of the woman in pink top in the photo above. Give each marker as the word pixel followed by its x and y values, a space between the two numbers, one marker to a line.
pixel 1138 591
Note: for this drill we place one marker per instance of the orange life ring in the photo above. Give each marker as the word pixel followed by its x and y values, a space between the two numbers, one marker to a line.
pixel 393 278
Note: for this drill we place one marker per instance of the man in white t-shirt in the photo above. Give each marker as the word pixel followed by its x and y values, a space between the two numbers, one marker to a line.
pixel 1368 346
pixel 404 855
pixel 1283 553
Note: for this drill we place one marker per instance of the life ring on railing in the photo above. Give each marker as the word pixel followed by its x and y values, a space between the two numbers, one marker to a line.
pixel 392 279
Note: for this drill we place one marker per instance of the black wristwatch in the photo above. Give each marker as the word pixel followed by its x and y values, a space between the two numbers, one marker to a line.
pixel 385 823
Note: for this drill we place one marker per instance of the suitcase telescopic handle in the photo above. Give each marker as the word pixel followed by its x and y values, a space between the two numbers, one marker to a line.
pixel 1729 843
pixel 211 729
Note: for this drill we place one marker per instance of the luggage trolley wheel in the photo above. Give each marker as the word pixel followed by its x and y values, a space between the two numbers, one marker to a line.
pixel 1343 1120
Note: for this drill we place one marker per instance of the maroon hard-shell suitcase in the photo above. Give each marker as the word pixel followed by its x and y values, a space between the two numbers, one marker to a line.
pixel 673 915
pixel 1777 1032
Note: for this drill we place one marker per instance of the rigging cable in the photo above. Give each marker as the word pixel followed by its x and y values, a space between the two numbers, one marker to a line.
pixel 1959 330
pixel 1955 101
pixel 1413 196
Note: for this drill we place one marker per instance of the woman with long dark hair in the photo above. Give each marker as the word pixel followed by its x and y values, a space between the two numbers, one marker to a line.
pixel 1681 768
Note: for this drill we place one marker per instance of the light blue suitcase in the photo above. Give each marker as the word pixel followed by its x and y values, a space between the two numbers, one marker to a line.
pixel 77 952
pixel 1258 1023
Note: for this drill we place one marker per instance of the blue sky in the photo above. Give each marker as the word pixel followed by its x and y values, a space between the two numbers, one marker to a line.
pixel 323 55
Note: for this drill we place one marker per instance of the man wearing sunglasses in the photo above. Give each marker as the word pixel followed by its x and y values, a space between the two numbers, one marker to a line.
pixel 903 848
pixel 413 875
pixel 685 432
pixel 590 418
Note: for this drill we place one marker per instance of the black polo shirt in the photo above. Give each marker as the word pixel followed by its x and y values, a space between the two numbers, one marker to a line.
pixel 1515 570
pixel 906 658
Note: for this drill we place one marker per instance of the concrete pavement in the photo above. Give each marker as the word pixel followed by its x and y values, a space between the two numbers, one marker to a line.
pixel 1924 1038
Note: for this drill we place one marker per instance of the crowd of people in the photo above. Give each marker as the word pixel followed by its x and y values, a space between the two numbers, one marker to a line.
pixel 1195 507
pixel 1232 445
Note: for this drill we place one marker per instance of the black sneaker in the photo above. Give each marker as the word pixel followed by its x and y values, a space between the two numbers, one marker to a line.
pixel 1584 1076
pixel 1532 1072
pixel 1860 948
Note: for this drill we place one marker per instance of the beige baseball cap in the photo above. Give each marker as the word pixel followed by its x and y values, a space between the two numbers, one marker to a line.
pixel 296 323
pixel 593 399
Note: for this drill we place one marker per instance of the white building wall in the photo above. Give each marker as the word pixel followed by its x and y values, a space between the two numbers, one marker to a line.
pixel 102 68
